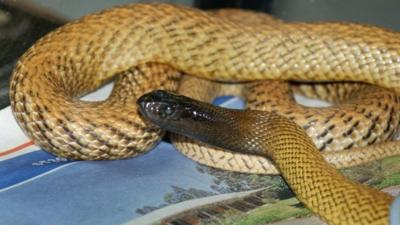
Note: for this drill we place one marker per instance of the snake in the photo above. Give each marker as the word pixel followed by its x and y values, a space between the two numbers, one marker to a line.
pixel 317 184
pixel 150 46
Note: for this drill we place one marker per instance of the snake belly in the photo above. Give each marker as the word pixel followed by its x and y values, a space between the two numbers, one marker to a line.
pixel 151 45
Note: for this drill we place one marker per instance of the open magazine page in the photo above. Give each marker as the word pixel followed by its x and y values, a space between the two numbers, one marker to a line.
pixel 160 187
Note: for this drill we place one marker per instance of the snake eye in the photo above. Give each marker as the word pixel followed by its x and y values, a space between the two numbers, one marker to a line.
pixel 169 110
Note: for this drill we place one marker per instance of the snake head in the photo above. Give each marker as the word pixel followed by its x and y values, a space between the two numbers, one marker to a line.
pixel 169 110
pixel 177 113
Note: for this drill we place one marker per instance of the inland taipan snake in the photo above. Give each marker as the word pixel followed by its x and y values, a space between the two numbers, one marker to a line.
pixel 149 46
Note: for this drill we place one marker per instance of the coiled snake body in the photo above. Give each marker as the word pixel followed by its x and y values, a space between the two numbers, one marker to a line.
pixel 150 45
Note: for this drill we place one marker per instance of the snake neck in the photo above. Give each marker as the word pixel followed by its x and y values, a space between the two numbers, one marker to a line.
pixel 301 164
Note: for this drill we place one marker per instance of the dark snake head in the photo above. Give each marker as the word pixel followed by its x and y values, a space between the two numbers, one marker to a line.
pixel 173 112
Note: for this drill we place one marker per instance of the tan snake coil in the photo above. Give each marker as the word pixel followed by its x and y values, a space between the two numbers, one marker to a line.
pixel 83 55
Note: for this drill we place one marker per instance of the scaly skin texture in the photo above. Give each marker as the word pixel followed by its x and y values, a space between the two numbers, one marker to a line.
pixel 81 56
pixel 317 184
pixel 363 115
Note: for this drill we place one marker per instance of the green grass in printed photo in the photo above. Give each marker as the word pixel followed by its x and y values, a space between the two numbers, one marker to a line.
pixel 289 208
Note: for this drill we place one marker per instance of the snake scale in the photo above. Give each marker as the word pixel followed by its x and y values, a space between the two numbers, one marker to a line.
pixel 151 45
